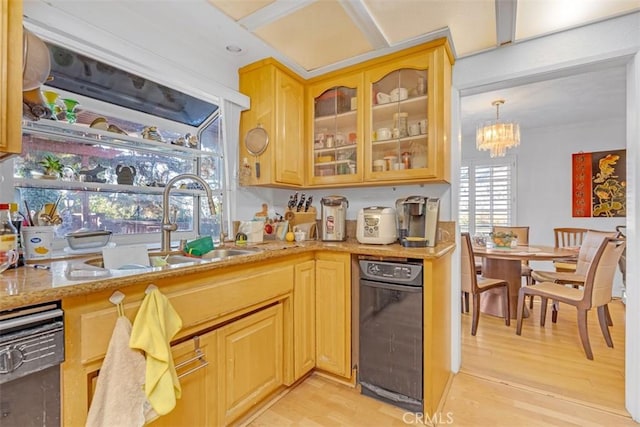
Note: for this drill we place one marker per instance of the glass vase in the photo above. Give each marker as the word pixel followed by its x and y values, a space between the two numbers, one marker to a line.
pixel 51 97
pixel 70 106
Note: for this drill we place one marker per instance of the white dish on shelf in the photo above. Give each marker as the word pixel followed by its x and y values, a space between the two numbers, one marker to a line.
pixel 89 250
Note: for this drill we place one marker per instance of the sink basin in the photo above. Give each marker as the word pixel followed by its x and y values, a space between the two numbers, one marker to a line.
pixel 156 260
pixel 173 259
pixel 227 253
pixel 160 259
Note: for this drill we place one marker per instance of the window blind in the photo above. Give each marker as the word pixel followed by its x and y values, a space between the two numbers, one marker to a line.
pixel 487 195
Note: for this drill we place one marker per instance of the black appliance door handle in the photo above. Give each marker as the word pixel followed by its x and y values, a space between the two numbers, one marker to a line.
pixel 391 286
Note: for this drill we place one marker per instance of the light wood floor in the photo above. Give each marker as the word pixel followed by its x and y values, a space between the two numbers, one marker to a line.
pixel 551 358
pixel 538 379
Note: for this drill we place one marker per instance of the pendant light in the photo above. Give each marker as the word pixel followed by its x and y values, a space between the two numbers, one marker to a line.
pixel 496 136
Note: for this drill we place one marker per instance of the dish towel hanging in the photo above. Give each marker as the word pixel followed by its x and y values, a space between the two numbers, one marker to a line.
pixel 119 399
pixel 155 325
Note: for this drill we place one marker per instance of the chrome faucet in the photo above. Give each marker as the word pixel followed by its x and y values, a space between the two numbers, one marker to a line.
pixel 167 225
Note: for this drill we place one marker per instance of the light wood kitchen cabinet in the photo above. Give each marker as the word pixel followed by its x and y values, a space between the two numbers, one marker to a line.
pixel 384 121
pixel 397 121
pixel 436 309
pixel 11 77
pixel 250 361
pixel 333 313
pixel 206 302
pixel 400 116
pixel 335 127
pixel 198 404
pixel 277 105
pixel 304 319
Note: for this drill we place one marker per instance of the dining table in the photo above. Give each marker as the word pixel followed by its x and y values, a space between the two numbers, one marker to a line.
pixel 506 264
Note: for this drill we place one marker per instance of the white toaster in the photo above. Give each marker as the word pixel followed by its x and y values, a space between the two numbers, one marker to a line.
pixel 376 225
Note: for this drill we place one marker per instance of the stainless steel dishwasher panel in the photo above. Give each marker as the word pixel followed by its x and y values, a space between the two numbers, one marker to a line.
pixel 31 350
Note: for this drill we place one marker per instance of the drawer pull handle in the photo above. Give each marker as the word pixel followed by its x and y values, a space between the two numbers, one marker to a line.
pixel 199 357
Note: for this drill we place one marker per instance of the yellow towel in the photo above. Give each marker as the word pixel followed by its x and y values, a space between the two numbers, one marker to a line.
pixel 155 325
pixel 119 399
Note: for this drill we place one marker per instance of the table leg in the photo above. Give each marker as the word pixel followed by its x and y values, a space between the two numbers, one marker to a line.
pixel 505 269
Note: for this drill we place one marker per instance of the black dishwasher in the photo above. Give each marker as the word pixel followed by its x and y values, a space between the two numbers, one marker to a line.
pixel 391 344
pixel 31 351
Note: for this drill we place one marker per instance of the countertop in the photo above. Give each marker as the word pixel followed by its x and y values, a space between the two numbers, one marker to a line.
pixel 28 285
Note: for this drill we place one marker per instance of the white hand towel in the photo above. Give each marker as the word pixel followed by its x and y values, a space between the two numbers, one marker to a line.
pixel 119 399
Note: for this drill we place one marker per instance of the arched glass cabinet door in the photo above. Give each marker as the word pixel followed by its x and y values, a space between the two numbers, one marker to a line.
pixel 398 125
pixel 336 132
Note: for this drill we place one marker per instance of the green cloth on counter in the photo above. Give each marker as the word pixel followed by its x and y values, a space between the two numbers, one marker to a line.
pixel 199 246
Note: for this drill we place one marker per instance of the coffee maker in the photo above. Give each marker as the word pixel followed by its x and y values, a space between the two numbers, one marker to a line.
pixel 417 220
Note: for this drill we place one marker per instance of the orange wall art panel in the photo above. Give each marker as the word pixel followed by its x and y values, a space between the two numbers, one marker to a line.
pixel 599 187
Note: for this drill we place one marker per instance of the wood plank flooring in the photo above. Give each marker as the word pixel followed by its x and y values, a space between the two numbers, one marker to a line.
pixel 551 358
pixel 541 378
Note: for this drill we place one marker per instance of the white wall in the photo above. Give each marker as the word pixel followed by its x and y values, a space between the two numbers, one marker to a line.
pixel 249 200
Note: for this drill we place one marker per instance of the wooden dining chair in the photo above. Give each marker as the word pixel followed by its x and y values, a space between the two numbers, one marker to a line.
pixel 522 234
pixel 566 237
pixel 590 244
pixel 475 285
pixel 622 233
pixel 596 292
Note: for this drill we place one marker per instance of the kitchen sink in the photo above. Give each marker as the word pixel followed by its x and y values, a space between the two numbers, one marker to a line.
pixel 229 252
pixel 159 259
pixel 172 259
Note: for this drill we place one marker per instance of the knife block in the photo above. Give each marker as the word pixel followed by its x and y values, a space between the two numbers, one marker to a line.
pixel 299 218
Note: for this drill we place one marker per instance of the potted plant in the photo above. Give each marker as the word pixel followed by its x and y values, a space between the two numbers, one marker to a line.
pixel 52 166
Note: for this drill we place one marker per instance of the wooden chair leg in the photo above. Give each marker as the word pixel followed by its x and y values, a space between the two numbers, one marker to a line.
pixel 604 325
pixel 466 302
pixel 505 306
pixel 530 296
pixel 476 313
pixel 606 310
pixel 584 334
pixel 543 310
pixel 519 311
pixel 555 307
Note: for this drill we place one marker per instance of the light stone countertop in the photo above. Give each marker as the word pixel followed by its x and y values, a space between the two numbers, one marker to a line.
pixel 27 285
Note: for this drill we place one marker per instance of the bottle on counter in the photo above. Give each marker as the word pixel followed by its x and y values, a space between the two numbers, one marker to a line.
pixel 8 237
pixel 16 220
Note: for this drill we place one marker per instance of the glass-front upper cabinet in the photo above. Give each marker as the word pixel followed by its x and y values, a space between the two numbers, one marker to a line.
pixel 400 144
pixel 336 155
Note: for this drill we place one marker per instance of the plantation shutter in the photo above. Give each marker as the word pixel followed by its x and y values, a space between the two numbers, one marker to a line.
pixel 487 195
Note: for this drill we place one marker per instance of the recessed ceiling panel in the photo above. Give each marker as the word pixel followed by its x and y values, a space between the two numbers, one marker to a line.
pixel 539 17
pixel 316 35
pixel 472 23
pixel 238 9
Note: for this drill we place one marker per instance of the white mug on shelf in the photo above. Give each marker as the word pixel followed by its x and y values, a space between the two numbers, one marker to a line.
pixel 399 94
pixel 383 98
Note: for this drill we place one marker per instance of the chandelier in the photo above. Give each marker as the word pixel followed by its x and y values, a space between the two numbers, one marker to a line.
pixel 496 136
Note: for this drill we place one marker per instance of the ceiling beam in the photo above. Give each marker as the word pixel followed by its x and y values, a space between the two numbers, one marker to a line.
pixel 272 12
pixel 505 21
pixel 362 18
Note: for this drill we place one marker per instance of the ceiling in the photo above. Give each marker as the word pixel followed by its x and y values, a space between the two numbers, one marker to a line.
pixel 316 36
